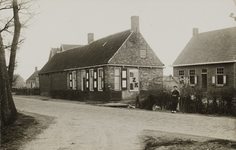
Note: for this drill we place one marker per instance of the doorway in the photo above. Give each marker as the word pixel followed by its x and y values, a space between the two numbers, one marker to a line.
pixel 204 82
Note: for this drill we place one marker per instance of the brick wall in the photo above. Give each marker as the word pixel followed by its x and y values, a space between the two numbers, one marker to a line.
pixel 52 81
pixel 129 53
pixel 211 71
pixel 45 84
pixel 235 75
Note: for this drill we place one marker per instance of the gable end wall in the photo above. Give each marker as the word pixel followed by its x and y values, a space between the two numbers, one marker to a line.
pixel 129 53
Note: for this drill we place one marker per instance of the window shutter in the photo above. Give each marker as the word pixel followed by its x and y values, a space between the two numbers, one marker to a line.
pixel 74 80
pixel 124 79
pixel 95 80
pixel 87 79
pixel 103 79
pixel 213 80
pixel 225 80
pixel 195 79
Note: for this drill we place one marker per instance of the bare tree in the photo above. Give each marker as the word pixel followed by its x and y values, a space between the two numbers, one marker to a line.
pixel 10 26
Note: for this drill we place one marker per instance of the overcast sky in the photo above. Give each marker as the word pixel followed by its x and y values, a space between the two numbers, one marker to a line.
pixel 165 24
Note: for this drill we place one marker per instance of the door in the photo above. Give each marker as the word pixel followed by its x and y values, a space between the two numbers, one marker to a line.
pixel 204 82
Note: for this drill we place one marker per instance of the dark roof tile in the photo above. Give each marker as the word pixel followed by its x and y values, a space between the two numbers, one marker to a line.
pixel 209 47
pixel 96 53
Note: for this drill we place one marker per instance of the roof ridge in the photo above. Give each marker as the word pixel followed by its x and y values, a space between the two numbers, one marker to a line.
pixel 216 30
pixel 108 36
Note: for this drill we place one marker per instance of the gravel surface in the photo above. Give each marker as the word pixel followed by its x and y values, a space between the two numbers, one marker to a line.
pixel 86 127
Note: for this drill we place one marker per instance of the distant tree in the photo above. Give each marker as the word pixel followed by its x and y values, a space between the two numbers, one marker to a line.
pixel 10 32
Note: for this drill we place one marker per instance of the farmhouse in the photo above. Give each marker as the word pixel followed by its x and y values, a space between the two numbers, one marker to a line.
pixel 33 80
pixel 208 60
pixel 118 66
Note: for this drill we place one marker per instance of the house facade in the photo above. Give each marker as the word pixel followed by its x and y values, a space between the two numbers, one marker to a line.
pixel 18 81
pixel 33 80
pixel 119 66
pixel 208 60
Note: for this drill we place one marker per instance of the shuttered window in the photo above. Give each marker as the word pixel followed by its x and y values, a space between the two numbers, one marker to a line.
pixel 100 79
pixel 124 79
pixel 117 79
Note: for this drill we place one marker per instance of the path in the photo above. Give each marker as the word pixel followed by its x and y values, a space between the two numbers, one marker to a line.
pixel 87 127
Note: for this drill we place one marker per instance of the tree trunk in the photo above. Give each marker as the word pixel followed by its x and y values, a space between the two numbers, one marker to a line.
pixel 8 109
pixel 15 40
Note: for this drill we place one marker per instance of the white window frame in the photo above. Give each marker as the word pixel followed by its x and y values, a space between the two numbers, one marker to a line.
pixel 194 77
pixel 220 74
pixel 100 79
pixel 74 79
pixel 91 75
pixel 119 79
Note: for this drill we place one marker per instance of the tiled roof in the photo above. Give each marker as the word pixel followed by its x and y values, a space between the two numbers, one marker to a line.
pixel 69 46
pixel 53 52
pixel 33 76
pixel 209 47
pixel 96 53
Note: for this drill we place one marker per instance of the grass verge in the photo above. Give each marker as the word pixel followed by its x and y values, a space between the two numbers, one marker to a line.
pixel 26 128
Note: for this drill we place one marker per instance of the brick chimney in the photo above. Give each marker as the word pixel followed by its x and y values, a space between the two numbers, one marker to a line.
pixel 90 38
pixel 195 31
pixel 135 24
pixel 36 68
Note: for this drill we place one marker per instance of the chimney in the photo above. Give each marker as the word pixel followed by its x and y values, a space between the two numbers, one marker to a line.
pixel 90 38
pixel 195 31
pixel 36 68
pixel 135 24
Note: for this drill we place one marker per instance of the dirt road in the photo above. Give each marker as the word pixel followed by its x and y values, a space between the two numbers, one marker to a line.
pixel 87 127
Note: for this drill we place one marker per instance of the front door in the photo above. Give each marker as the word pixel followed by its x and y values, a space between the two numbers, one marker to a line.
pixel 204 82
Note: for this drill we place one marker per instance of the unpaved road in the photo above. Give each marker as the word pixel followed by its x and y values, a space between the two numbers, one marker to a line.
pixel 86 127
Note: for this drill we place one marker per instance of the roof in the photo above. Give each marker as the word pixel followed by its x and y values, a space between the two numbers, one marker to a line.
pixel 69 46
pixel 209 47
pixel 98 52
pixel 170 78
pixel 33 76
pixel 53 52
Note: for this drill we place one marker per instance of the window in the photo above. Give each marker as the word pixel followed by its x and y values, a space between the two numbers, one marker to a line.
pixel 117 79
pixel 87 80
pixel 192 77
pixel 100 79
pixel 70 78
pixel 95 79
pixel 143 53
pixel 124 79
pixel 181 76
pixel 91 74
pixel 220 77
pixel 204 71
pixel 74 80
pixel 181 72
pixel 134 79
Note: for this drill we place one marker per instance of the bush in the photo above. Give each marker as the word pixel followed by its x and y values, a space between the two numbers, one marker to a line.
pixel 67 94
pixel 220 101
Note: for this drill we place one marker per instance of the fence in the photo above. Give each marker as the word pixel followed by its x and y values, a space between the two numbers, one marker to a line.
pixel 26 91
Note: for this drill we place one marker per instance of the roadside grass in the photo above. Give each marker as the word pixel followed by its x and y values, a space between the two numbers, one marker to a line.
pixel 169 143
pixel 25 128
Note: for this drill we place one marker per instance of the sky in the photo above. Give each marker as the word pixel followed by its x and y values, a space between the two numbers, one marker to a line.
pixel 165 24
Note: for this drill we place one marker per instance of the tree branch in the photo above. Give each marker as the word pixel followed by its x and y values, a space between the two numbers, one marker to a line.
pixel 7 25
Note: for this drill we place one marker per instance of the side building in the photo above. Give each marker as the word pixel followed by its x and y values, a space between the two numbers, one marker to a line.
pixel 208 60
pixel 33 80
pixel 119 65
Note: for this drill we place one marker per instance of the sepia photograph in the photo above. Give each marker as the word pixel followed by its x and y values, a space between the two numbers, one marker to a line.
pixel 118 74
